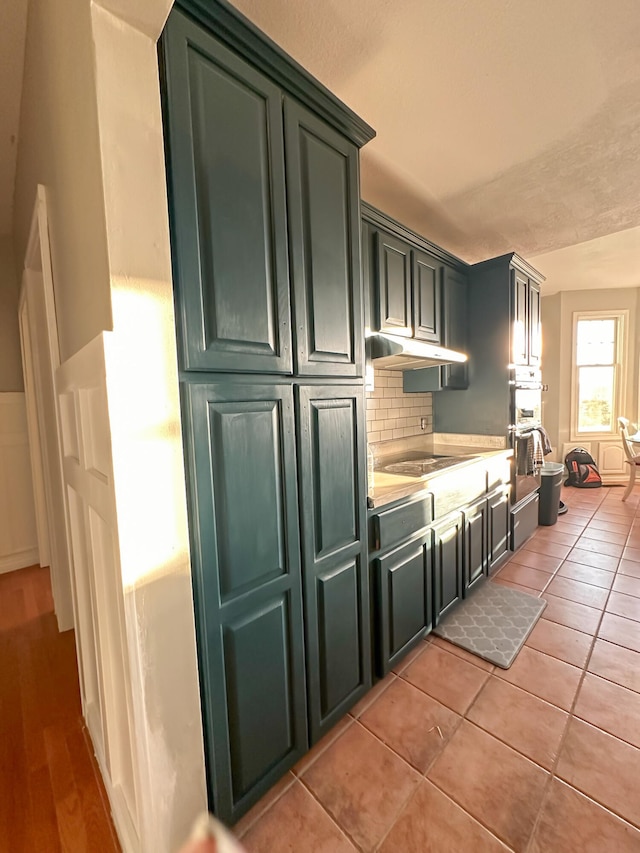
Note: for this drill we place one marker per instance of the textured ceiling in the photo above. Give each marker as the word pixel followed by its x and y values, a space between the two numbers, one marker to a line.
pixel 502 125
pixel 13 24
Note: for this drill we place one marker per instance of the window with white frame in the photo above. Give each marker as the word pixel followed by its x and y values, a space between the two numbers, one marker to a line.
pixel 598 347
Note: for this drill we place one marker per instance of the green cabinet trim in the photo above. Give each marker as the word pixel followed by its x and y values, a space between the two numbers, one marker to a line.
pixel 239 33
pixel 378 219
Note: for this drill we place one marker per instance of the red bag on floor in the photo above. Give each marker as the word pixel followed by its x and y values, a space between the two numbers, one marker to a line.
pixel 582 468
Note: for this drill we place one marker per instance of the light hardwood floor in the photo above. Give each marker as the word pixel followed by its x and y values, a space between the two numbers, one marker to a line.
pixel 51 793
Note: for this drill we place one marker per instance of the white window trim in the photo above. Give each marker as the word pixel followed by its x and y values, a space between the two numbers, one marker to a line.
pixel 620 390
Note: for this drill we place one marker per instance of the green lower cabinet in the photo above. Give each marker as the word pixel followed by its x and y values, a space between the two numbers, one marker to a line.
pixel 241 467
pixel 403 599
pixel 475 544
pixel 332 476
pixel 447 563
pixel 498 527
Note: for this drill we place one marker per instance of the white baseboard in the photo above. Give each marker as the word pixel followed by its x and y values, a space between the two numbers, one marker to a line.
pixel 19 560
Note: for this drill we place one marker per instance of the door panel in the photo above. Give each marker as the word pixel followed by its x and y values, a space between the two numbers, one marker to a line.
pixel 426 297
pixel 447 564
pixel 241 468
pixel 404 603
pixel 338 626
pixel 475 533
pixel 393 273
pixel 520 329
pixel 227 192
pixel 535 334
pixel 258 682
pixel 498 526
pixel 322 192
pixel 456 376
pixel 332 470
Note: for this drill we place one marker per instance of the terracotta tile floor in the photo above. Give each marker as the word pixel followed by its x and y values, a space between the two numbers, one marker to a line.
pixel 450 754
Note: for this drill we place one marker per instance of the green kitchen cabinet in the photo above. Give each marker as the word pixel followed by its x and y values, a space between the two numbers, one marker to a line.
pixel 455 336
pixel 404 600
pixel 407 289
pixel 475 544
pixel 427 290
pixel 226 175
pixel 264 193
pixel 455 377
pixel 324 229
pixel 241 467
pixel 264 211
pixel 448 563
pixel 393 277
pixel 498 527
pixel 535 327
pixel 333 489
pixel 520 339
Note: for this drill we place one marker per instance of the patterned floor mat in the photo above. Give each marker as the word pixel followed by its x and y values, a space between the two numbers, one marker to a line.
pixel 492 623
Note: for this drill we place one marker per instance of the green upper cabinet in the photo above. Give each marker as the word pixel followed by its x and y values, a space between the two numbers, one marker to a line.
pixel 455 377
pixel 520 330
pixel 408 289
pixel 324 228
pixel 251 224
pixel 427 314
pixel 241 466
pixel 393 279
pixel 332 475
pixel 227 188
pixel 535 329
pixel 526 337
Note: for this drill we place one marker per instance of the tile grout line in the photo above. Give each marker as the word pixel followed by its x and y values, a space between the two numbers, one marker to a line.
pixel 553 774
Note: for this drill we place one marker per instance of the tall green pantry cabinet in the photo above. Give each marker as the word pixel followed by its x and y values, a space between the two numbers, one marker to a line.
pixel 263 185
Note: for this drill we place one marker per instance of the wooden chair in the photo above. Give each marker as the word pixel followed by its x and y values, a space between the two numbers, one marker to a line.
pixel 632 452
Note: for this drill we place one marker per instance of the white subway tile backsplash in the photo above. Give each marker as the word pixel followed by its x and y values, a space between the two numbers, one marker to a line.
pixel 393 414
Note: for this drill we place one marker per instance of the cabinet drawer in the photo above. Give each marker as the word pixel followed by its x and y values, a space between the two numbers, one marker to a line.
pixel 394 525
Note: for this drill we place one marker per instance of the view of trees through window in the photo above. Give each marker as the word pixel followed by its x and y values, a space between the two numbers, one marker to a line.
pixel 596 356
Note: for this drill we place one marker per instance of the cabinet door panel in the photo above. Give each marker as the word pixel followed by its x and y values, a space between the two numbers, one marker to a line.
pixel 447 564
pixel 241 468
pixel 520 315
pixel 393 276
pixel 475 533
pixel 324 225
pixel 498 527
pixel 535 333
pixel 332 470
pixel 227 204
pixel 404 601
pixel 338 597
pixel 456 309
pixel 258 684
pixel 426 297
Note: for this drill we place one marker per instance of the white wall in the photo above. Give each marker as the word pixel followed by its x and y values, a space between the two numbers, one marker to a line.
pixel 557 330
pixel 10 362
pixel 59 147
pixel 91 132
pixel 18 537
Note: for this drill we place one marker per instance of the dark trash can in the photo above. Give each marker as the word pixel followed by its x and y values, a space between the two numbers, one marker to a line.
pixel 550 485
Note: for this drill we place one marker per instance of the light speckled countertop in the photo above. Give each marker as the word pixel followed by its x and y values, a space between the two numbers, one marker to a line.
pixel 387 488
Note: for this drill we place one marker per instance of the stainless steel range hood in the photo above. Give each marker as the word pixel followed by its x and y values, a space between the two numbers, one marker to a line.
pixel 397 353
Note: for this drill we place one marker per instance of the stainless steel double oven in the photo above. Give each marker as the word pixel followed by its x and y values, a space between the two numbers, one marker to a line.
pixel 525 418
